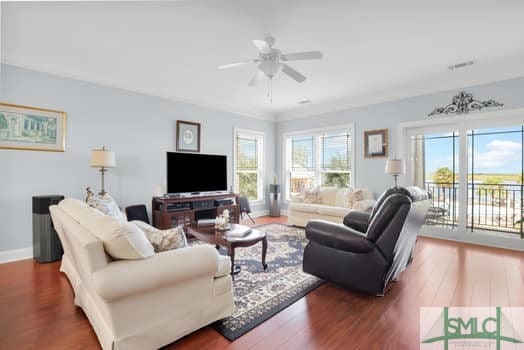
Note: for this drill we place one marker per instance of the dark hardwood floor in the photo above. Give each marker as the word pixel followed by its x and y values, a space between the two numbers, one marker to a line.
pixel 37 311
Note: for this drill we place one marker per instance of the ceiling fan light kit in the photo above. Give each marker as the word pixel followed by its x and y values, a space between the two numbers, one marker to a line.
pixel 270 61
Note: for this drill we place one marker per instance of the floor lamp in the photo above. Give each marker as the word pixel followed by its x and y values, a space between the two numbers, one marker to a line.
pixel 102 159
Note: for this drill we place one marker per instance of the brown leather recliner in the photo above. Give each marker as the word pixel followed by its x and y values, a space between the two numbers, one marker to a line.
pixel 370 249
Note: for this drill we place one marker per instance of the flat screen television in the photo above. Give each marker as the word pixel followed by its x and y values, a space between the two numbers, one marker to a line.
pixel 193 173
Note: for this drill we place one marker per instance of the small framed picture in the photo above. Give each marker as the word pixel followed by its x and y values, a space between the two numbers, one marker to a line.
pixel 31 128
pixel 187 136
pixel 376 143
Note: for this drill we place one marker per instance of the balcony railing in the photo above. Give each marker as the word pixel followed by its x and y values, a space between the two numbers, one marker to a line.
pixel 444 204
pixel 497 207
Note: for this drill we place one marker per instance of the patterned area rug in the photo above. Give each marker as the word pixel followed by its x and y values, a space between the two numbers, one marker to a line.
pixel 261 294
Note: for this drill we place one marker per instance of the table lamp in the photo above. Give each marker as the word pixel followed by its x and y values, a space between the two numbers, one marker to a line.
pixel 102 159
pixel 395 167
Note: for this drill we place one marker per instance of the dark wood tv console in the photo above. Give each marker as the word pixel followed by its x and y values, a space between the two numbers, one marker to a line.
pixel 185 210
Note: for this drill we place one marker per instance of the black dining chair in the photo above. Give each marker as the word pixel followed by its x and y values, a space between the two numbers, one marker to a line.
pixel 245 208
pixel 137 212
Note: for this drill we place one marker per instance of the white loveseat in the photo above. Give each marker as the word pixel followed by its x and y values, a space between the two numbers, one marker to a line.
pixel 328 203
pixel 146 303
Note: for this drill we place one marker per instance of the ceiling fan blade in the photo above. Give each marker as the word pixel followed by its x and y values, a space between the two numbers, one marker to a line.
pixel 237 64
pixel 293 74
pixel 262 46
pixel 259 75
pixel 306 55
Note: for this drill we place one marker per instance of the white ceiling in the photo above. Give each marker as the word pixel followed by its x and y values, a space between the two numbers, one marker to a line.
pixel 373 50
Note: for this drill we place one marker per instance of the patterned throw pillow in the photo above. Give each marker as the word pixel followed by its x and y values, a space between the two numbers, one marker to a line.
pixel 311 196
pixel 298 198
pixel 106 204
pixel 353 197
pixel 163 240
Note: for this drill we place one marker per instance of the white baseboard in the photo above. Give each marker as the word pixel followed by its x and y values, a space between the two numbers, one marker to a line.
pixel 16 254
pixel 257 214
pixel 260 213
pixel 492 243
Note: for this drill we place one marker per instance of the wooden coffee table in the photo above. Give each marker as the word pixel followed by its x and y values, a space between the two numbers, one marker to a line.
pixel 223 239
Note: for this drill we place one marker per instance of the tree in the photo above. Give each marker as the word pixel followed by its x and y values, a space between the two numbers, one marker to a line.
pixel 336 179
pixel 247 181
pixel 443 177
pixel 248 185
pixel 3 121
pixel 492 187
pixel 300 157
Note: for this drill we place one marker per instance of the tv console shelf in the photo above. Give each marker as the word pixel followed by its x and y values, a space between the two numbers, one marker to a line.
pixel 184 210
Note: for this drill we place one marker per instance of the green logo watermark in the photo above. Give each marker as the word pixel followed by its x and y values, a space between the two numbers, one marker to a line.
pixel 472 327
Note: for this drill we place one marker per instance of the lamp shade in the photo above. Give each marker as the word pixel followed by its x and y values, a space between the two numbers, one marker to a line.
pixel 102 158
pixel 395 167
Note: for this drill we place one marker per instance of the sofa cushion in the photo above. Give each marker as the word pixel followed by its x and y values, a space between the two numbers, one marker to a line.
pixel 333 211
pixel 364 205
pixel 122 240
pixel 353 196
pixel 76 208
pixel 367 195
pixel 298 198
pixel 328 195
pixel 163 240
pixel 357 195
pixel 304 207
pixel 311 196
pixel 107 205
pixel 340 200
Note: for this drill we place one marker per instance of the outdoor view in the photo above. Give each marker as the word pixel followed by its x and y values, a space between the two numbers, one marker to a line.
pixel 247 171
pixel 319 160
pixel 494 179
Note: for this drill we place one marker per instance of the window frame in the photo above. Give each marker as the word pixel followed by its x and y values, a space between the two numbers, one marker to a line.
pixel 259 136
pixel 318 172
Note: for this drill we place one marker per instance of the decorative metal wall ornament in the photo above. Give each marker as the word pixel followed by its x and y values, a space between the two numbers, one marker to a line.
pixel 463 103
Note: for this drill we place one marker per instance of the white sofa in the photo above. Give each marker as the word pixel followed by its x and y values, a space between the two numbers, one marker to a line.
pixel 146 303
pixel 328 203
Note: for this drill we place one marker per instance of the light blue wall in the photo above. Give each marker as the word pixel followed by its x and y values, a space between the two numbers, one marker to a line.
pixel 369 173
pixel 139 128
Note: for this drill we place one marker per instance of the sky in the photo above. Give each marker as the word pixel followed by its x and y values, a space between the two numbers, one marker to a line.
pixel 495 154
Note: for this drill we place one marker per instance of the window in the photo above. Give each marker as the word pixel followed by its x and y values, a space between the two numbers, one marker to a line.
pixel 335 159
pixel 248 164
pixel 302 163
pixel 318 158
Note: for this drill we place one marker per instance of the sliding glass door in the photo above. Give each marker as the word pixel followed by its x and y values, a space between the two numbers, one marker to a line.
pixel 475 175
pixel 495 179
pixel 434 164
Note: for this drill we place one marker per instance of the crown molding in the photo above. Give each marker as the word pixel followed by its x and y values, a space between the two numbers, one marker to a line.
pixel 206 103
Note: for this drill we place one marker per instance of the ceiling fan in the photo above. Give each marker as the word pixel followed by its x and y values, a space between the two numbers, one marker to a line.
pixel 270 61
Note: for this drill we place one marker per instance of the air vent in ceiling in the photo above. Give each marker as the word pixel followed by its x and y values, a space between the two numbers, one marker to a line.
pixel 462 64
pixel 303 102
